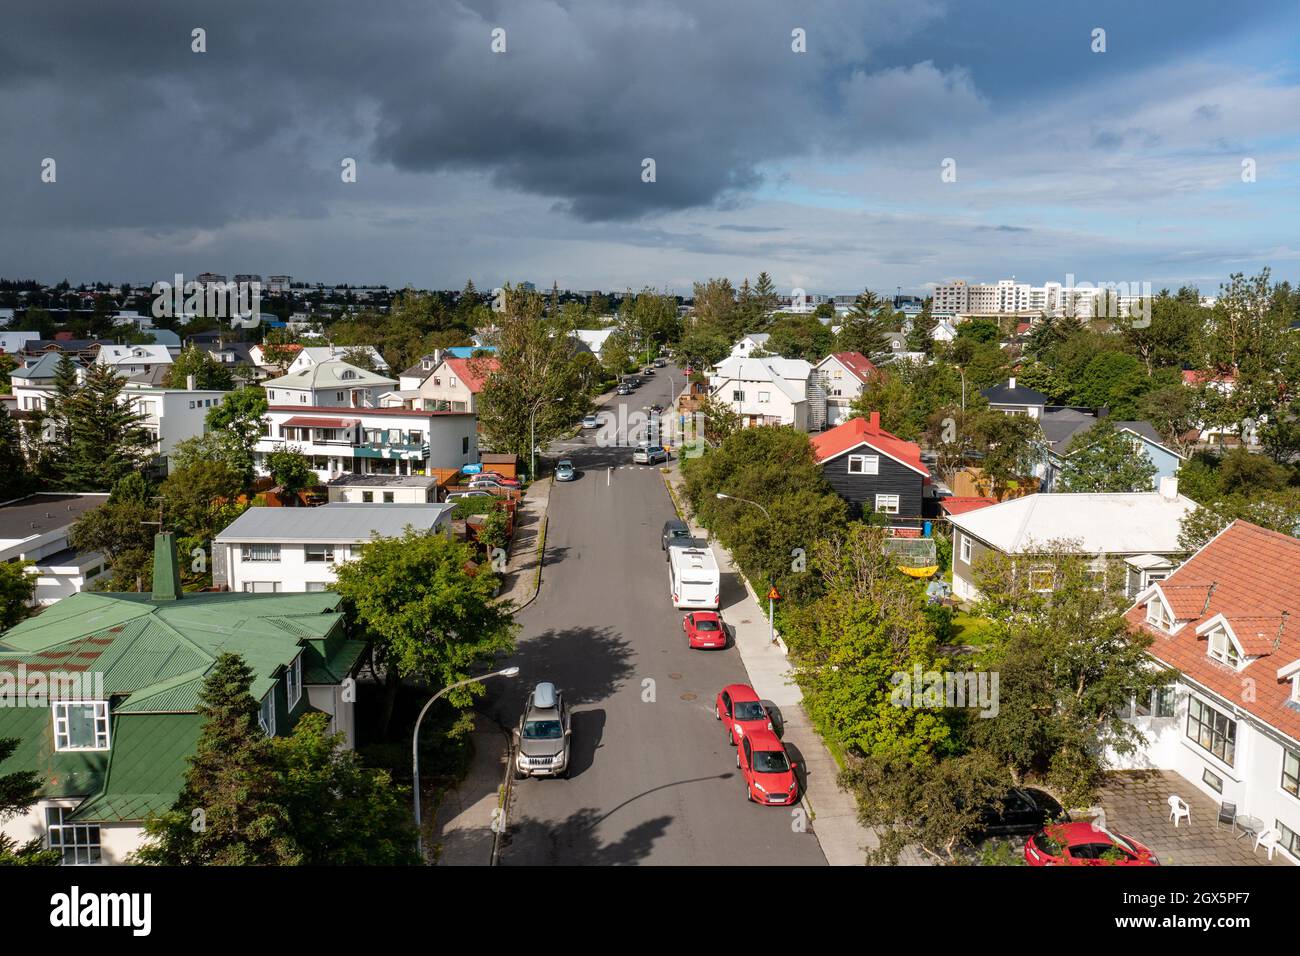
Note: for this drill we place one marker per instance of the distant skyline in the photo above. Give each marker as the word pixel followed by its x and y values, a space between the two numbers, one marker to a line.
pixel 822 168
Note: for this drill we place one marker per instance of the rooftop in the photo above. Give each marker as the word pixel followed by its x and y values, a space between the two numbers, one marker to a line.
pixel 44 512
pixel 336 522
pixel 857 432
pixel 383 481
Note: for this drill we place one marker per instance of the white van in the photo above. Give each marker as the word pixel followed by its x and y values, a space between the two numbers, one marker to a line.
pixel 694 579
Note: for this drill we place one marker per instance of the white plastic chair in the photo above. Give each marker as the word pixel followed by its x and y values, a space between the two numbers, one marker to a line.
pixel 1179 810
pixel 1268 839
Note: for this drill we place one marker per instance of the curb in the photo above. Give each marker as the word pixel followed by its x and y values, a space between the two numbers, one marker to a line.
pixel 541 557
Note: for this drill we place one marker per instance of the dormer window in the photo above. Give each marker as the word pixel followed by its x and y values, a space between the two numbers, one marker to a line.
pixel 1222 649
pixel 266 713
pixel 348 373
pixel 81 725
pixel 1156 615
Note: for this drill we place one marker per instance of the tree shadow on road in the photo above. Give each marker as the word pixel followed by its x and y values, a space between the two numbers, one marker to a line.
pixel 589 664
pixel 573 841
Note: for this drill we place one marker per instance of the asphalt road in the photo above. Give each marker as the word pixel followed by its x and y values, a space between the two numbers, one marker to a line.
pixel 653 778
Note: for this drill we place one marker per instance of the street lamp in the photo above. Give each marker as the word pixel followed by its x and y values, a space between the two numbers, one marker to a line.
pixel 771 602
pixel 415 742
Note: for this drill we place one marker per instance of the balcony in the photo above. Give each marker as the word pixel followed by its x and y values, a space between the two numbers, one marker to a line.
pixel 399 451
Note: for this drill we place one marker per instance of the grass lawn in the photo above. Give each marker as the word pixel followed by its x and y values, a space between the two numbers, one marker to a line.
pixel 970 629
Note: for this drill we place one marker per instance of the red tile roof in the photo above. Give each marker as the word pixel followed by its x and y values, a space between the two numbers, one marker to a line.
pixel 959 504
pixel 1192 376
pixel 1250 576
pixel 857 363
pixel 857 431
pixel 474 372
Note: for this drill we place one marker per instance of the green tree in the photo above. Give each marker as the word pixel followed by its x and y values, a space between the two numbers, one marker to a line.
pixel 430 619
pixel 800 337
pixel 19 792
pixel 241 418
pixel 230 810
pixel 765 297
pixel 1274 510
pixel 865 327
pixel 1104 459
pixel 107 440
pixel 291 471
pixel 920 337
pixel 207 371
pixel 122 530
pixel 15 478
pixel 17 585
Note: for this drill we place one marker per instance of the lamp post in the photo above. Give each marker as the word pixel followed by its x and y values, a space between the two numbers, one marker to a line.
pixel 771 602
pixel 415 742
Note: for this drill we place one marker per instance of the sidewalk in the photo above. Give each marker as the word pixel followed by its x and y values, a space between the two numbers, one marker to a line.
pixel 461 833
pixel 520 581
pixel 832 811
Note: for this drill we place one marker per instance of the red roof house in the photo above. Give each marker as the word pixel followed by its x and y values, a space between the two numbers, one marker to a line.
pixel 871 468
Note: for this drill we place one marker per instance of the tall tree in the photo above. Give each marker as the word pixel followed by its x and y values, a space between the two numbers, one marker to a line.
pixel 1104 459
pixel 15 477
pixel 291 471
pixel 207 371
pixel 242 416
pixel 17 585
pixel 19 792
pixel 430 618
pixel 108 441
pixel 865 327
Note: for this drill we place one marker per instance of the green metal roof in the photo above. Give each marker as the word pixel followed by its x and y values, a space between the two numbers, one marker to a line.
pixel 152 657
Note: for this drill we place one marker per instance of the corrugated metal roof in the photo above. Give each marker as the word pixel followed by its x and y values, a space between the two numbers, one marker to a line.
pixel 337 522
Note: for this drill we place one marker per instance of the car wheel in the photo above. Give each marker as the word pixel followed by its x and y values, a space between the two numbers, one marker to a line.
pixel 518 775
pixel 737 758
pixel 731 739
pixel 749 795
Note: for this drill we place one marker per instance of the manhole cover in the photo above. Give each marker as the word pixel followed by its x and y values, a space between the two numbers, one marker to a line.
pixel 689 696
pixel 675 676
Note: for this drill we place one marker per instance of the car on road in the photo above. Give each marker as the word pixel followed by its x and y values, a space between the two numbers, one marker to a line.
pixel 674 528
pixel 1020 812
pixel 632 382
pixel 769 774
pixel 648 370
pixel 743 711
pixel 565 471
pixel 590 421
pixel 656 408
pixel 1085 844
pixel 624 389
pixel 649 454
pixel 542 738
pixel 660 363
pixel 704 629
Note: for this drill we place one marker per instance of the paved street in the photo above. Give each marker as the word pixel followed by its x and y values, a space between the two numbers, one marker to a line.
pixel 653 779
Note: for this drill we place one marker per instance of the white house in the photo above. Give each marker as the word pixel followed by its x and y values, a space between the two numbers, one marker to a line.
pixel 272 550
pixel 384 489
pixel 136 360
pixel 1109 526
pixel 1229 722
pixel 36 529
pixel 453 386
pixel 311 355
pixel 753 342
pixel 842 376
pixel 332 384
pixel 593 339
pixel 767 391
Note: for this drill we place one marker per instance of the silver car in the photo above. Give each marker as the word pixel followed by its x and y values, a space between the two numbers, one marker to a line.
pixel 542 739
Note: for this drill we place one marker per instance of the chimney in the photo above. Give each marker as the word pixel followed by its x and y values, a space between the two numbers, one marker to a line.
pixel 1169 487
pixel 874 426
pixel 166 569
pixel 1011 382
pixel 189 382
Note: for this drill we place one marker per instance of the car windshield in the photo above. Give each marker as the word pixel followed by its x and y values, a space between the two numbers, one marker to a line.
pixel 770 761
pixel 706 625
pixel 750 710
pixel 543 730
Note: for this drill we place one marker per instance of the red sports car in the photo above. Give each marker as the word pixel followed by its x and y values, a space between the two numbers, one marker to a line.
pixel 743 711
pixel 768 772
pixel 704 629
pixel 1085 844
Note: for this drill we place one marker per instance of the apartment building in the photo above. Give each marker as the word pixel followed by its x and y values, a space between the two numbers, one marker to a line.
pixel 328 384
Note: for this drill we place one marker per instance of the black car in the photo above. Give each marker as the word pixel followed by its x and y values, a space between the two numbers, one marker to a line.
pixel 673 528
pixel 1022 812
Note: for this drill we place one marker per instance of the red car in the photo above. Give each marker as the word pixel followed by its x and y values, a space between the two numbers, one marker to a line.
pixel 499 478
pixel 1085 844
pixel 704 629
pixel 768 772
pixel 743 711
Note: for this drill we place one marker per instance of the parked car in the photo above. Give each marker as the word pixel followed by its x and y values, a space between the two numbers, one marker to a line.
pixel 590 421
pixel 1021 812
pixel 499 478
pixel 565 471
pixel 542 738
pixel 649 455
pixel 624 389
pixel 1084 844
pixel 490 484
pixel 458 495
pixel 704 629
pixel 632 382
pixel 648 370
pixel 769 775
pixel 660 363
pixel 742 709
pixel 674 528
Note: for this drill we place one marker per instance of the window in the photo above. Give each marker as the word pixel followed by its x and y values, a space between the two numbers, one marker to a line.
pixel 261 587
pixel 1163 701
pixel 1212 731
pixel 316 587
pixel 81 725
pixel 1222 649
pixel 1212 780
pixel 260 552
pixel 271 394
pixel 737 396
pixel 388 498
pixel 864 464
pixel 338 396
pixel 1156 616
pixel 1290 840
pixel 966 549
pixel 464 445
pixel 318 552
pixel 266 713
pixel 887 504
pixel 78 842
pixel 764 397
pixel 1040 579
pixel 293 682
pixel 367 497
pixel 1291 772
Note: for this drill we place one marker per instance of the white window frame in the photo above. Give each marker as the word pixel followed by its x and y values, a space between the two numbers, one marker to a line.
pixel 764 398
pixel 265 714
pixel 62 735
pixel 326 554
pixel 1220 647
pixel 965 548
pixel 293 682
pixel 1292 771
pixel 887 504
pixel 1157 617
pixel 246 552
pixel 864 464
pixel 84 845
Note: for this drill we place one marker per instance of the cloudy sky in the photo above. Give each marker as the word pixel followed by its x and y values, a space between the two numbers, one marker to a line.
pixel 822 167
